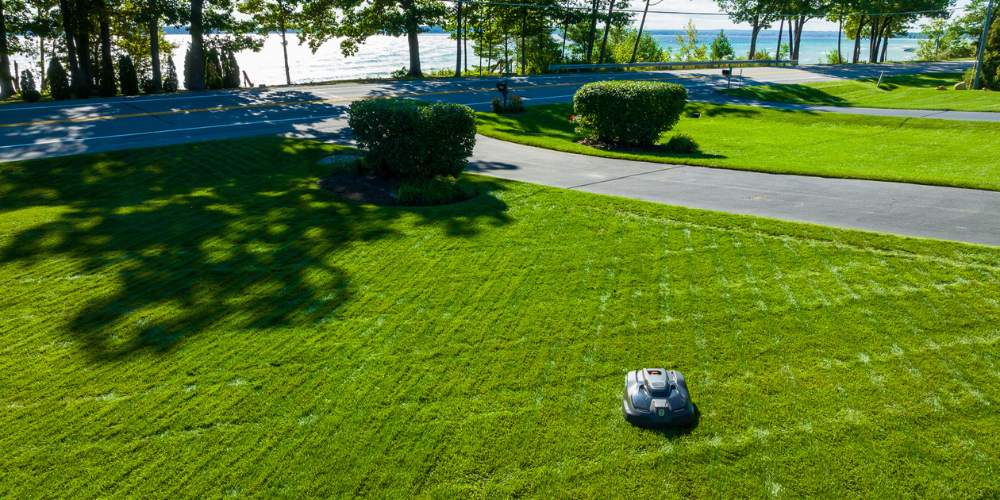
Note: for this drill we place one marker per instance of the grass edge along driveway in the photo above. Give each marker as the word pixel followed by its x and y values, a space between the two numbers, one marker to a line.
pixel 202 320
pixel 896 92
pixel 921 151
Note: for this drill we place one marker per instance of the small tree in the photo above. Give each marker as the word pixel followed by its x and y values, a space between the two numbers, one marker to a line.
pixel 721 48
pixel 991 58
pixel 213 70
pixel 127 76
pixel 170 77
pixel 689 49
pixel 58 81
pixel 230 71
pixel 189 67
pixel 29 92
pixel 108 86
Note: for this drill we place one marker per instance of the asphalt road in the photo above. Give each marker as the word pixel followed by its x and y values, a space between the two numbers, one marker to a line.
pixel 29 131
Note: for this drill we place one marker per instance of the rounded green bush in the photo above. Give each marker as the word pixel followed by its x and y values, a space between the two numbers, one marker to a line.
pixel 631 113
pixel 682 144
pixel 411 139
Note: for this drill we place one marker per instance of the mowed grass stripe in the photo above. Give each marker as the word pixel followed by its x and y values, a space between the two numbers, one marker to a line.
pixel 332 349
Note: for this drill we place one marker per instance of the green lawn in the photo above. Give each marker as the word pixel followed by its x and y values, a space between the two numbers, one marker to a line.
pixel 203 321
pixel 948 153
pixel 904 92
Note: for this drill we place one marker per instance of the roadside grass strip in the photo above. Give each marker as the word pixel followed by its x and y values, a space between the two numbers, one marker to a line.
pixel 922 151
pixel 900 92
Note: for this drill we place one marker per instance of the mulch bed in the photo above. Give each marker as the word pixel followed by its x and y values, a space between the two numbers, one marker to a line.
pixel 361 188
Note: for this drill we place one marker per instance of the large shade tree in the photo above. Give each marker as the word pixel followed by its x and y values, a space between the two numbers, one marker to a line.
pixel 10 23
pixel 759 14
pixel 215 24
pixel 270 16
pixel 356 20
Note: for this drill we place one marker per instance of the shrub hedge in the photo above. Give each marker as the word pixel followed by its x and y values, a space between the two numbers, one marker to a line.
pixel 29 92
pixel 413 140
pixel 682 144
pixel 631 113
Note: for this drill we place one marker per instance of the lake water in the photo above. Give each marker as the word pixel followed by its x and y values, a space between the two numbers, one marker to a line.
pixel 381 55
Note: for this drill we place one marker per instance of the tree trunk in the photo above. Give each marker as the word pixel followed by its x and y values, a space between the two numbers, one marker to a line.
pixel 781 31
pixel 799 27
pixel 886 32
pixel 197 55
pixel 873 41
pixel 458 37
pixel 154 52
pixel 754 32
pixel 84 57
pixel 284 40
pixel 412 30
pixel 68 30
pixel 593 33
pixel 524 40
pixel 562 53
pixel 489 53
pixel 506 52
pixel 607 28
pixel 791 38
pixel 638 37
pixel 41 61
pixel 856 56
pixel 840 31
pixel 6 85
pixel 108 86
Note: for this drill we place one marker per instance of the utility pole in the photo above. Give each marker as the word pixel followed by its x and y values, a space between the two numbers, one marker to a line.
pixel 458 37
pixel 982 45
pixel 642 24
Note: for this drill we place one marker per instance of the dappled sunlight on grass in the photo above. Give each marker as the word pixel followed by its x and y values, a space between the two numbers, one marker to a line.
pixel 195 236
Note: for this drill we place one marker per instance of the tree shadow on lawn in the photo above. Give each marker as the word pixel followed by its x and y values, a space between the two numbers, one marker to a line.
pixel 231 234
pixel 794 93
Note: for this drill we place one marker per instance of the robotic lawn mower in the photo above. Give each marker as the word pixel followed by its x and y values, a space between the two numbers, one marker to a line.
pixel 655 397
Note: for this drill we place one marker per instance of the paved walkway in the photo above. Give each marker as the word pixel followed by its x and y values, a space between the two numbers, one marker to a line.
pixel 908 209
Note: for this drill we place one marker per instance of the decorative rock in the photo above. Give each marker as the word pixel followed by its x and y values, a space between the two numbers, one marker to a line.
pixel 961 86
pixel 940 87
pixel 339 159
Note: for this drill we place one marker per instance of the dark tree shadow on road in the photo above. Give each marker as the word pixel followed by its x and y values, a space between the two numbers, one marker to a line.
pixel 233 235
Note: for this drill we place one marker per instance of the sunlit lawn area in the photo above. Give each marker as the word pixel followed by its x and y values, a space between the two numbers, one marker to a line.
pixel 949 153
pixel 203 321
pixel 904 92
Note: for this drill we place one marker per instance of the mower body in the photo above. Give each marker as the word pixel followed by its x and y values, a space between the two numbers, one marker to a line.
pixel 655 397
